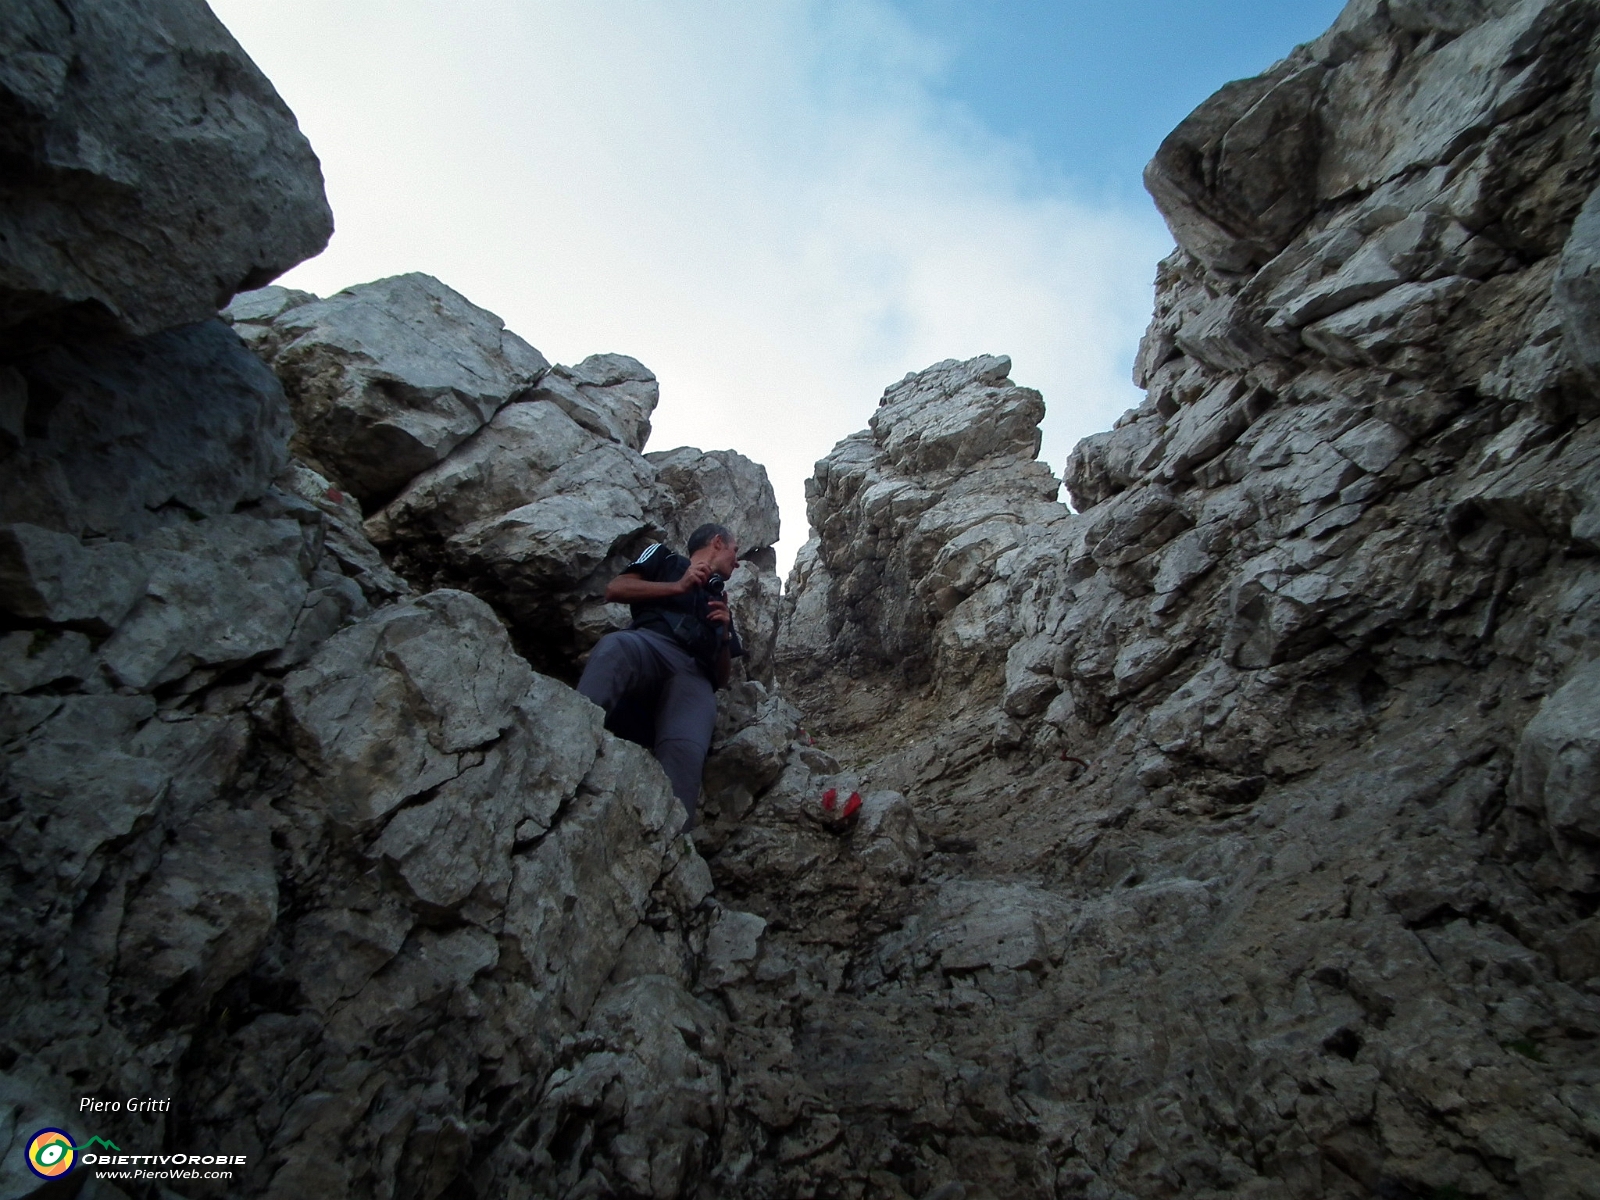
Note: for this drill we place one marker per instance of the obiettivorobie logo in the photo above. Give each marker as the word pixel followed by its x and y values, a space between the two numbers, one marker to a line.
pixel 52 1154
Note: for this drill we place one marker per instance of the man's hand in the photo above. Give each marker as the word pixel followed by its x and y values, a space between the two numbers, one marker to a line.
pixel 717 610
pixel 694 577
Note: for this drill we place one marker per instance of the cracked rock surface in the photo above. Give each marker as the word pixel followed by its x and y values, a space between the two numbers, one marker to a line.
pixel 298 846
pixel 1255 793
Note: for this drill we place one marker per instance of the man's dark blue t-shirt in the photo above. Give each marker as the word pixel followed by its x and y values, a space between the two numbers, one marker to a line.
pixel 682 618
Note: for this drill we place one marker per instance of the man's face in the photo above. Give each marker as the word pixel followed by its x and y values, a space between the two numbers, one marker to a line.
pixel 726 559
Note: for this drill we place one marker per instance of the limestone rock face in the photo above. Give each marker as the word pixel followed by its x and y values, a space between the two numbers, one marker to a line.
pixel 1556 773
pixel 112 444
pixel 152 170
pixel 484 468
pixel 646 1072
pixel 1257 794
pixel 610 395
pixel 277 785
pixel 1238 178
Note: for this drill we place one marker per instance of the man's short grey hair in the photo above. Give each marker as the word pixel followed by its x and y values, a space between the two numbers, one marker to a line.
pixel 704 535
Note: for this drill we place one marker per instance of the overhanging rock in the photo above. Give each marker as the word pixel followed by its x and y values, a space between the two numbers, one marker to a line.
pixel 152 170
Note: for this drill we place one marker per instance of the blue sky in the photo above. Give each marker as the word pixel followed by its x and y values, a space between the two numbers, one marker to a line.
pixel 779 207
pixel 1092 86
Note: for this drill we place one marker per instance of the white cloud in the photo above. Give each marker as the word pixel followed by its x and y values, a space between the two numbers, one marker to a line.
pixel 764 203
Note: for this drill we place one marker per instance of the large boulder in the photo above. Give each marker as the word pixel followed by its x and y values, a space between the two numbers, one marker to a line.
pixel 456 863
pixel 1558 772
pixel 535 514
pixel 152 170
pixel 610 395
pixel 718 486
pixel 1236 180
pixel 226 747
pixel 387 378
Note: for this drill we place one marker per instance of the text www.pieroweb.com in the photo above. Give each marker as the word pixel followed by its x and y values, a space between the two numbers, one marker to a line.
pixel 161 1166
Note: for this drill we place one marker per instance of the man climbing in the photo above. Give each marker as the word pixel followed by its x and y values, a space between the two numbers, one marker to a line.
pixel 657 679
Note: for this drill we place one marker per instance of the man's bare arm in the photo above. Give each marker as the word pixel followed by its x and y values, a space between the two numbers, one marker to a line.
pixel 629 588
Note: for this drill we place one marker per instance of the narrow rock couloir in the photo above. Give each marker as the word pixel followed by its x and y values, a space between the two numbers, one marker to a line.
pixel 1232 834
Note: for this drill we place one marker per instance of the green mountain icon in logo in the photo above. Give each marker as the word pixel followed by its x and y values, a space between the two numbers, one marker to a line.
pixel 99 1141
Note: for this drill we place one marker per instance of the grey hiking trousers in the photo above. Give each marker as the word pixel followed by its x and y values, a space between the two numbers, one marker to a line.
pixel 655 694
